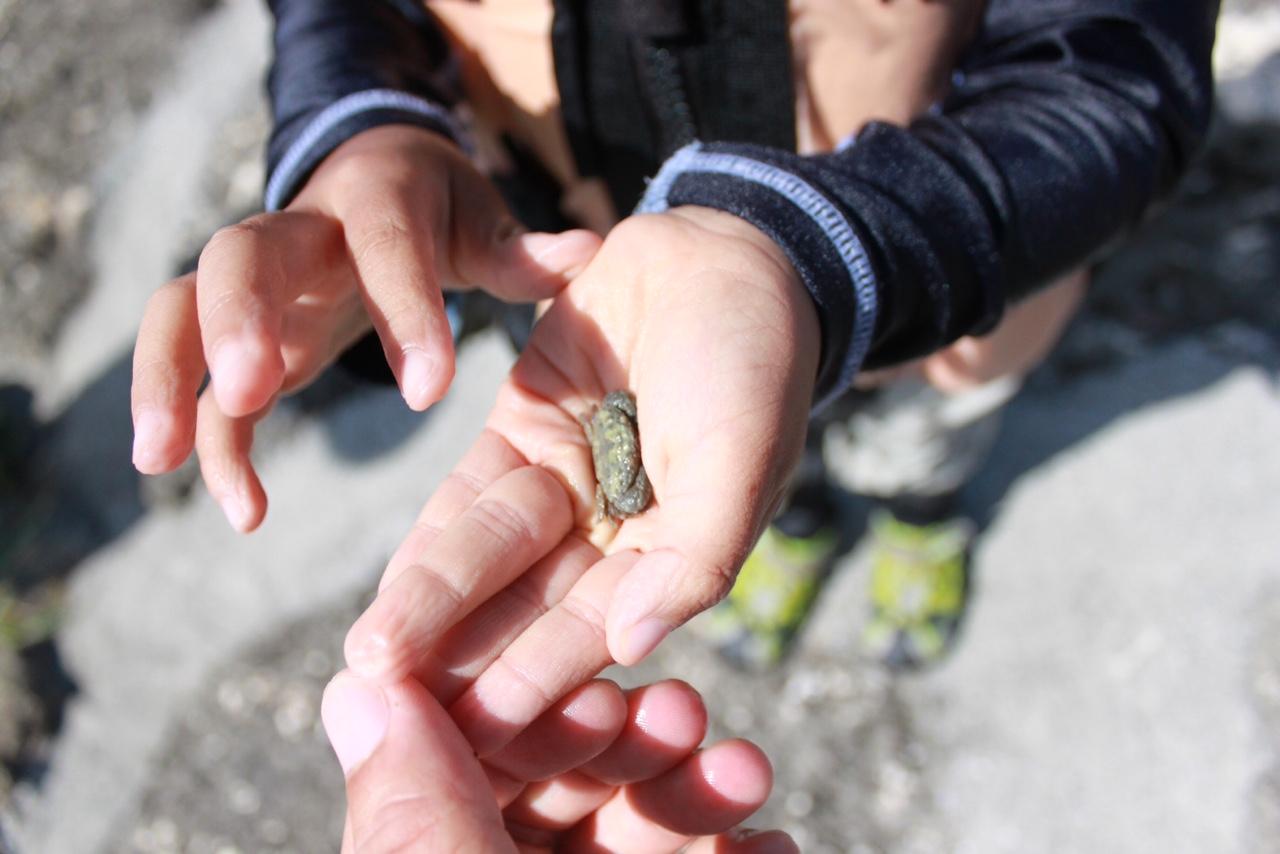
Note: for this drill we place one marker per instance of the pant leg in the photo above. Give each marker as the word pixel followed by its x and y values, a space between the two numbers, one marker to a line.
pixel 910 439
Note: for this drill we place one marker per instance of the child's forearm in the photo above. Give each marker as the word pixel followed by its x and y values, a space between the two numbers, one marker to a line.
pixel 1062 131
pixel 343 66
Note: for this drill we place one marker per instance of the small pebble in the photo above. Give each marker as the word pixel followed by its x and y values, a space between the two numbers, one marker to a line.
pixel 243 798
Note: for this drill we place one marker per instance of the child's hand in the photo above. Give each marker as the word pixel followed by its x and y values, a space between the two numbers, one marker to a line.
pixel 388 219
pixel 704 319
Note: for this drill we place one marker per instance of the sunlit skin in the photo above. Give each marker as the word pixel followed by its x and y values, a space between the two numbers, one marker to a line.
pixel 722 398
pixel 488 601
pixel 390 218
pixel 610 771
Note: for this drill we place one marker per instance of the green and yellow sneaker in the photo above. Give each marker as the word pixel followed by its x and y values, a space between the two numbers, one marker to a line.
pixel 919 588
pixel 754 626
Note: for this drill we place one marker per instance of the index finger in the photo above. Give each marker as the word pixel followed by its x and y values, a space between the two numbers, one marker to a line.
pixel 248 273
pixel 513 523
pixel 488 459
pixel 392 242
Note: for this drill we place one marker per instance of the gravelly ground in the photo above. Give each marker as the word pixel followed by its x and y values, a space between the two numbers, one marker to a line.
pixel 247 766
pixel 260 776
pixel 62 108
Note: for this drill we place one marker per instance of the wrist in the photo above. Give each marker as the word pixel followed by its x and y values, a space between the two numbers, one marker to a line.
pixel 820 237
pixel 785 281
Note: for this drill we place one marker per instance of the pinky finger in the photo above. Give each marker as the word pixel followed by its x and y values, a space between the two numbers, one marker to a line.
pixel 222 444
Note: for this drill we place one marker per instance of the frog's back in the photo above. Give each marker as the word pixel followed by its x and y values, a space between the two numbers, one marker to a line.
pixel 614 451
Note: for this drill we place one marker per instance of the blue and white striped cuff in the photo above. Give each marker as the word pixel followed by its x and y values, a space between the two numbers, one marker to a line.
pixel 809 202
pixel 321 135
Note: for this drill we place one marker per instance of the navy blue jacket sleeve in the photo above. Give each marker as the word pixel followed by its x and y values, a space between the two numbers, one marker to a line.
pixel 342 66
pixel 1065 123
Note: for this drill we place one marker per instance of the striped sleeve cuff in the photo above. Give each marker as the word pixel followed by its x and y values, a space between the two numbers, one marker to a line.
pixel 816 236
pixel 345 118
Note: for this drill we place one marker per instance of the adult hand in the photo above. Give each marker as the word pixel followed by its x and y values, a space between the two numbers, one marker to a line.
pixel 703 318
pixel 388 220
pixel 613 773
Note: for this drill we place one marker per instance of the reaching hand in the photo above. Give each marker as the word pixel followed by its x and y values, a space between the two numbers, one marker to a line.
pixel 613 773
pixel 390 218
pixel 703 318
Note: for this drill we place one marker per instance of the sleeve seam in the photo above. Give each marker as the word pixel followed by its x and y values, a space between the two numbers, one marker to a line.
pixel 301 153
pixel 833 224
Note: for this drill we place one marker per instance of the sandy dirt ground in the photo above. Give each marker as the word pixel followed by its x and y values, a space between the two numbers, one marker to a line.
pixel 1118 684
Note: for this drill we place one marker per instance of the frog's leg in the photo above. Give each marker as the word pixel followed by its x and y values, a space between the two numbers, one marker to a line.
pixel 635 499
pixel 602 507
pixel 621 401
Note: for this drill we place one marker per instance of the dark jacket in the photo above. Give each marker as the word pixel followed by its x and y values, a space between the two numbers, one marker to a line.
pixel 1066 121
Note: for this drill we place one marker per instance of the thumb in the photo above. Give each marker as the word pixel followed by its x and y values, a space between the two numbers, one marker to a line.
pixel 538 265
pixel 520 266
pixel 413 783
pixel 490 250
pixel 701 537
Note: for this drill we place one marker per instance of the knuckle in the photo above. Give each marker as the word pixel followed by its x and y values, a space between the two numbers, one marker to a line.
pixel 425 532
pixel 501 521
pixel 438 584
pixel 527 596
pixel 466 483
pixel 212 309
pixel 587 616
pixel 541 697
pixel 715 581
pixel 245 236
pixel 385 234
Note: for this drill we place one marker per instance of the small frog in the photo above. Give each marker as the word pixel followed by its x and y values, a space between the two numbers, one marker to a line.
pixel 622 487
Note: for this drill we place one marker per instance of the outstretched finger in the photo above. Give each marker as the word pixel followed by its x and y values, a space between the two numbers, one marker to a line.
pixel 473 644
pixel 248 273
pixel 393 240
pixel 222 445
pixel 666 721
pixel 513 523
pixel 577 728
pixel 168 366
pixel 706 794
pixel 562 649
pixel 488 459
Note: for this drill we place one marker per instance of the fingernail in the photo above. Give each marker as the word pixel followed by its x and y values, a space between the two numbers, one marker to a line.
pixel 418 379
pixel 365 648
pixel 643 638
pixel 641 630
pixel 228 355
pixel 355 715
pixel 565 253
pixel 237 511
pixel 540 246
pixel 149 431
